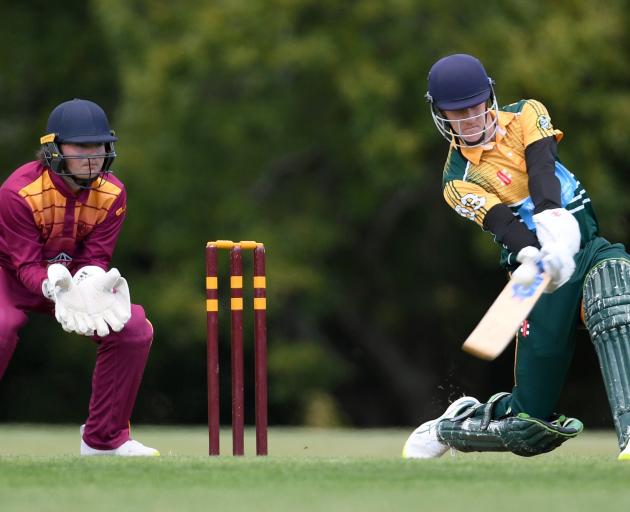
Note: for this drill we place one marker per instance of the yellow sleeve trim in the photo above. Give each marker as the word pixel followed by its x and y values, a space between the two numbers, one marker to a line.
pixel 536 123
pixel 469 200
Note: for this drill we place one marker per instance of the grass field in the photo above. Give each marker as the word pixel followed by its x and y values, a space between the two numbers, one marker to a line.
pixel 308 470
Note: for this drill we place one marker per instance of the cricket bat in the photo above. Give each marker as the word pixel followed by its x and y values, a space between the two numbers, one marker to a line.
pixel 499 325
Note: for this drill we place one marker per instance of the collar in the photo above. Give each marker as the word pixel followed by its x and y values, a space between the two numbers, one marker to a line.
pixel 473 155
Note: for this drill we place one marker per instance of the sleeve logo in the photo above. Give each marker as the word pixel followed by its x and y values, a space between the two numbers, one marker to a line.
pixel 544 123
pixel 470 203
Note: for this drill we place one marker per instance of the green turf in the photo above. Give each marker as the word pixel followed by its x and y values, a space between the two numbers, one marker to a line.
pixel 309 469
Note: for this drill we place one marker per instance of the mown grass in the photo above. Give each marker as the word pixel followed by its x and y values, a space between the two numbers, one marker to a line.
pixel 308 470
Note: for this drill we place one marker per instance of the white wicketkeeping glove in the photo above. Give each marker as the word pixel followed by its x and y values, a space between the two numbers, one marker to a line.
pixel 558 226
pixel 94 300
pixel 59 282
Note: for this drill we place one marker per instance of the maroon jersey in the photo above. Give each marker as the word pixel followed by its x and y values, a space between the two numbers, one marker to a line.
pixel 42 222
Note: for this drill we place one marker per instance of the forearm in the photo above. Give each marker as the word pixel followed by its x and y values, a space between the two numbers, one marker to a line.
pixel 32 276
pixel 508 230
pixel 544 186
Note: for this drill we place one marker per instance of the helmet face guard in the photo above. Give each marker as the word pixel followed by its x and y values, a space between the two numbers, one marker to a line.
pixel 78 122
pixel 451 129
pixel 458 82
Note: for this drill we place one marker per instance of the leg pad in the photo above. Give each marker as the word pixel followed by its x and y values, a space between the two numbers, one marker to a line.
pixel 476 431
pixel 607 317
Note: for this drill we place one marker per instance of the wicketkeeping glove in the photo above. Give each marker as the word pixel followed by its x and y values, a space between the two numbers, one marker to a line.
pixel 59 281
pixel 94 300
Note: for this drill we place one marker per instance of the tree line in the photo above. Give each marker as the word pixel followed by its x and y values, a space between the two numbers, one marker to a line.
pixel 303 125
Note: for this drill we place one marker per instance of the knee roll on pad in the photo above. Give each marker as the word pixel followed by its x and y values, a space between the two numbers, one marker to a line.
pixel 607 316
pixel 476 431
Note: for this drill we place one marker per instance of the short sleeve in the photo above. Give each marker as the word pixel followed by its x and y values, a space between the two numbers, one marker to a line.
pixel 536 123
pixel 469 200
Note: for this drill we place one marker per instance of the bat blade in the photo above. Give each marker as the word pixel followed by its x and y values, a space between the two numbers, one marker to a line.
pixel 497 328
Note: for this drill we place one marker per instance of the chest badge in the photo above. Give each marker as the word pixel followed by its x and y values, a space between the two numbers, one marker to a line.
pixel 504 176
pixel 62 258
pixel 82 229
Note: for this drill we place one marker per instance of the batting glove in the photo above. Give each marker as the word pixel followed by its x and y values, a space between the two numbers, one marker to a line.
pixel 558 263
pixel 526 273
pixel 558 226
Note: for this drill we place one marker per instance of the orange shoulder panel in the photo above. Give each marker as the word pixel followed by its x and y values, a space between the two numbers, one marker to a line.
pixel 47 204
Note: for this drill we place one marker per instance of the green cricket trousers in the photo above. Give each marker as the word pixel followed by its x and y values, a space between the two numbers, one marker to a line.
pixel 546 340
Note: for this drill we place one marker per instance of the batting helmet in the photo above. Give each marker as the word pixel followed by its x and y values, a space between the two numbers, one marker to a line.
pixel 458 82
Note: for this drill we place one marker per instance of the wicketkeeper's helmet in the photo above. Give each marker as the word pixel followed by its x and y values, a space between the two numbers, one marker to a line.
pixel 457 82
pixel 77 122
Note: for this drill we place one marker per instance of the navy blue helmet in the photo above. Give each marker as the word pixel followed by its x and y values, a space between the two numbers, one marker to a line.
pixel 77 122
pixel 458 82
pixel 80 121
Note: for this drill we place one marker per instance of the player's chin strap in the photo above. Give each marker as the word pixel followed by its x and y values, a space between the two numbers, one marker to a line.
pixel 475 430
pixel 607 317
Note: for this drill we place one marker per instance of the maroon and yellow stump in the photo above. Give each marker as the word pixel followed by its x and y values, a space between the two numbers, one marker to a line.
pixel 260 344
pixel 260 348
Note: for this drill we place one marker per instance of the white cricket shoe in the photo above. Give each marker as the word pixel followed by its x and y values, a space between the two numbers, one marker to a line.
pixel 423 442
pixel 129 448
pixel 625 453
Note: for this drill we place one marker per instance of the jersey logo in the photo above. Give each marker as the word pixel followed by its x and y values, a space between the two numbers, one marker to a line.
pixel 544 123
pixel 504 176
pixel 82 229
pixel 525 329
pixel 61 258
pixel 470 203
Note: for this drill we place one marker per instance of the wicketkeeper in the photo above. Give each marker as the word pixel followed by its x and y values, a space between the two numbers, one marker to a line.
pixel 60 218
pixel 502 173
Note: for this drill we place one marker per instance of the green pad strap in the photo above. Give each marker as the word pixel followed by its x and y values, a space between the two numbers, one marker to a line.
pixel 607 317
pixel 522 435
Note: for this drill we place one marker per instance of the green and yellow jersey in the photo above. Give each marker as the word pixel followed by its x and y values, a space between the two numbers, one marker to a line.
pixel 476 179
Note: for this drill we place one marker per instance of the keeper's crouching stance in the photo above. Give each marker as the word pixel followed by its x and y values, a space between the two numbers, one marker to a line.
pixel 59 221
pixel 502 172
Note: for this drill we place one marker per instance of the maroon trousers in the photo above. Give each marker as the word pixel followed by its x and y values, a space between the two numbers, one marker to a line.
pixel 120 361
